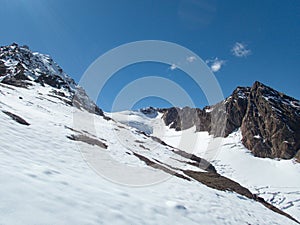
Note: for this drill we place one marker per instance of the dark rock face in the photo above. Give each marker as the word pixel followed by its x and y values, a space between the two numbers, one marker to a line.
pixel 19 80
pixel 269 120
pixel 53 81
pixel 81 101
pixel 271 125
pixel 297 156
pixel 236 106
pixel 88 140
pixel 184 118
pixel 220 119
pixel 181 119
pixel 227 115
pixel 2 69
pixel 16 118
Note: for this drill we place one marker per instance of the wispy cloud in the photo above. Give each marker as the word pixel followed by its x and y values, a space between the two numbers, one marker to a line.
pixel 240 50
pixel 191 59
pixel 215 64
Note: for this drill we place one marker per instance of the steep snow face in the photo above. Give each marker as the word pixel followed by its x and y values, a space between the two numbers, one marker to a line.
pixel 45 180
pixel 148 124
pixel 273 179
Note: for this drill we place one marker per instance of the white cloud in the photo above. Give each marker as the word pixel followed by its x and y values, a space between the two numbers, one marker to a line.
pixel 173 67
pixel 215 64
pixel 240 50
pixel 191 59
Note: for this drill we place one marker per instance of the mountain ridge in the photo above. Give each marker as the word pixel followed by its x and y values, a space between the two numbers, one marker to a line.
pixel 276 133
pixel 269 120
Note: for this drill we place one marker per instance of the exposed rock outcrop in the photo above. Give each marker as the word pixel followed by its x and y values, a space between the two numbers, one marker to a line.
pixel 220 119
pixel 16 118
pixel 271 125
pixel 269 120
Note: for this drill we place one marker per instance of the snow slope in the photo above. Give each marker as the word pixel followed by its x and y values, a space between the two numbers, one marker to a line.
pixel 45 179
pixel 274 180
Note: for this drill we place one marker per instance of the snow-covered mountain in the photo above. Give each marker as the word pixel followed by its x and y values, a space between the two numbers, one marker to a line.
pixel 21 67
pixel 64 161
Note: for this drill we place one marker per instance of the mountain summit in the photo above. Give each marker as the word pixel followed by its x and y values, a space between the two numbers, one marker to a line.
pixel 271 124
pixel 21 67
pixel 269 120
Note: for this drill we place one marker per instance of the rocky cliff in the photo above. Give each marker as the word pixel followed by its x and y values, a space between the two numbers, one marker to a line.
pixel 269 120
pixel 271 125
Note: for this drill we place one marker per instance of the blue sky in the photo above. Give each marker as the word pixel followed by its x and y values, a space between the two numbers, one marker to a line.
pixel 242 41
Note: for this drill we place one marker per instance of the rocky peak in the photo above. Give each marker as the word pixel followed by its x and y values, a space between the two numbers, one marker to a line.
pixel 269 120
pixel 150 112
pixel 182 118
pixel 230 112
pixel 21 67
pixel 271 125
pixel 220 119
pixel 21 60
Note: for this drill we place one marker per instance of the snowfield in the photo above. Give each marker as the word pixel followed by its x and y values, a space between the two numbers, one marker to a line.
pixel 274 180
pixel 45 179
